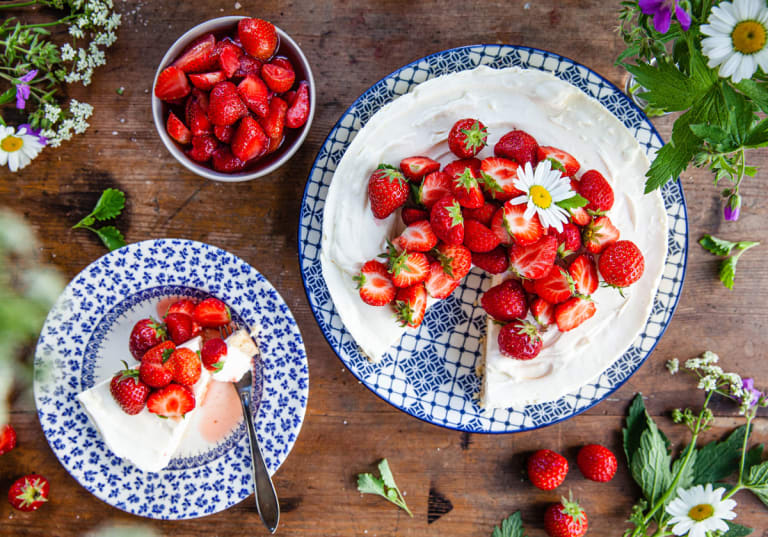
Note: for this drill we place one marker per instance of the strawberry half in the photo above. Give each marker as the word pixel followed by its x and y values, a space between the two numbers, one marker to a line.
pixel 532 261
pixel 411 304
pixel 498 178
pixel 249 140
pixel 274 123
pixel 199 56
pixel 172 84
pixel 173 401
pixel 206 81
pixel 434 187
pixel 584 274
pixel 177 130
pixel 278 78
pixel 196 113
pixel 524 230
pixel 439 284
pixel 562 161
pixel 599 234
pixel 580 216
pixel 228 57
pixel 573 312
pixel 554 286
pixel 406 268
pixel 416 168
pixel 543 312
pixel 478 237
pixel 518 146
pixel 298 111
pixel 493 262
pixel 418 237
pixel 498 227
pixel 374 284
pixel 255 94
pixel 455 259
pixel 212 313
pixel 447 220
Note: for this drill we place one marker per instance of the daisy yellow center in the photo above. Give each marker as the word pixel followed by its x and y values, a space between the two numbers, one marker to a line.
pixel 701 512
pixel 540 196
pixel 11 144
pixel 748 37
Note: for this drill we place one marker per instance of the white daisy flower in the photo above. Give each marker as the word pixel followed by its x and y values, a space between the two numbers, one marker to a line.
pixel 543 189
pixel 700 510
pixel 17 149
pixel 737 33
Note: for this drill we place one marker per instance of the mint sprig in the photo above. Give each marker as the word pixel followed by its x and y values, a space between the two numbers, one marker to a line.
pixel 510 527
pixel 109 206
pixel 384 486
pixel 722 247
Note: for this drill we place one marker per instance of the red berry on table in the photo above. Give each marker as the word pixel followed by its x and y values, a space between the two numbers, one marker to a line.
pixel 584 274
pixel 505 301
pixel 519 340
pixel 483 214
pixel 228 57
pixel 212 313
pixel 416 168
pixel 7 438
pixel 532 261
pixel 185 366
pixel 298 112
pixel 573 312
pixel 565 162
pixel 203 148
pixel 565 519
pixel 172 84
pixel 29 492
pixel 621 264
pixel 524 230
pixel 547 469
pixel 407 268
pixel 543 312
pixel 387 190
pixel 467 138
pixel 478 237
pixel 597 191
pixel 196 113
pixel 439 284
pixel 411 304
pixel 597 463
pixel 255 94
pixel 177 130
pixel 159 353
pixel 199 56
pixel 464 184
pixel 499 175
pixel 599 234
pixel 447 220
pixel 569 240
pixel 494 262
pixel 554 286
pixel 259 38
pixel 212 352
pixel 173 401
pixel 224 161
pixel 518 146
pixel 417 237
pixel 225 105
pixel 249 140
pixel 146 334
pixel 410 215
pixel 455 259
pixel 129 391
pixel 375 284
pixel 434 187
pixel 206 81
pixel 179 326
pixel 278 79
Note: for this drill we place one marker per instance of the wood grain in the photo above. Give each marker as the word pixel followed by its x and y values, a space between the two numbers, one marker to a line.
pixel 347 429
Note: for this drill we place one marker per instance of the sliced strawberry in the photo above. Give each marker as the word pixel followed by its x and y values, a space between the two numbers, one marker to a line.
pixel 498 227
pixel 224 133
pixel 248 66
pixel 203 147
pixel 225 106
pixel 417 237
pixel 172 84
pixel 554 286
pixel 415 168
pixel 455 259
pixel 411 304
pixel 584 274
pixel 529 286
pixel 196 112
pixel 524 230
pixel 410 215
pixel 224 161
pixel 598 234
pixel 228 56
pixel 278 79
pixel 177 130
pixel 533 260
pixel 569 240
pixel 283 62
pixel 465 185
pixel 298 112
pixel 274 123
pixel 478 237
pixel 255 95
pixel 565 162
pixel 213 351
pixel 518 146
pixel 184 305
pixel 498 178
pixel 406 268
pixel 573 312
pixel 439 284
pixel 447 220
pixel 375 285
pixel 173 401
pixel 493 262
pixel 543 312
pixel 199 56
pixel 212 313
pixel 580 216
pixel 483 214
pixel 249 141
pixel 206 81
pixel 259 37
pixel 433 188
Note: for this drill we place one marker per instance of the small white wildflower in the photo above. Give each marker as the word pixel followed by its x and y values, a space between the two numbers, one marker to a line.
pixel 710 357
pixel 67 52
pixel 713 370
pixel 693 363
pixel 673 366
pixel 76 32
pixel 707 383
pixel 52 113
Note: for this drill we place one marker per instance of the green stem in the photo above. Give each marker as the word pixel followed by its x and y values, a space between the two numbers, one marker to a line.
pixel 48 24
pixel 733 491
pixel 20 4
pixel 744 448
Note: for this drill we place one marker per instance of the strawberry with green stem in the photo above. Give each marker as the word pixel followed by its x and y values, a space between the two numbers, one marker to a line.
pixel 387 190
pixel 467 138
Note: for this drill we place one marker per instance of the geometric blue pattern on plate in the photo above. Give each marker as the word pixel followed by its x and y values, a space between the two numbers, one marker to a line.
pixel 68 351
pixel 431 374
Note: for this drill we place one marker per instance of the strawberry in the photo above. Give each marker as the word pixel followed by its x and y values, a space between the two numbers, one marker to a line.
pixel 274 144
pixel 173 401
pixel 599 234
pixel 573 312
pixel 255 94
pixel 411 304
pixel 569 240
pixel 224 133
pixel 199 56
pixel 464 184
pixel 172 84
pixel 157 373
pixel 212 352
pixel 203 147
pixel 196 113
pixel 520 340
pixel 410 215
pixel 212 313
pixel 584 274
pixel 387 190
pixel 7 438
pixel 467 138
pixel 406 268
pixel 547 469
pixel 375 285
pixel 274 123
pixel 224 161
pixel 249 66
pixel 447 220
pixel 457 167
pixel 498 227
pixel 128 391
pixel 418 237
pixel 159 352
pixel 505 301
pixel 179 326
pixel 29 492
pixel 554 286
pixel 580 216
pixel 298 112
pixel 177 130
pixel 206 81
pixel 478 237
pixel 493 262
pixel 518 146
pixel 596 189
pixel 498 178
pixel 225 106
pixel 433 188
pixel 259 38
pixel 483 214
pixel 543 312
pixel 529 285
pixel 533 260
pixel 621 264
pixel 184 305
pixel 283 62
pixel 565 162
pixel 278 79
pixel 439 284
pixel 455 259
pixel 415 168
pixel 524 230
pixel 185 365
pixel 228 57
pixel 597 463
pixel 249 140
pixel 565 519
pixel 146 334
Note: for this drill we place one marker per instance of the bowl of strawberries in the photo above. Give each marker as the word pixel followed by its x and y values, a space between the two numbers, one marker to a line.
pixel 233 98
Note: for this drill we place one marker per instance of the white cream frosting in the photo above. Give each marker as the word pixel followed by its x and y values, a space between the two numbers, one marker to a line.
pixel 556 114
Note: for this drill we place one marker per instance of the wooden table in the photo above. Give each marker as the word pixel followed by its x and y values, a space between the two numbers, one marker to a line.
pixel 347 429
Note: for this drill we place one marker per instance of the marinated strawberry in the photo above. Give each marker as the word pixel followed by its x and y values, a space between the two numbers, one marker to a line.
pixel 599 234
pixel 146 334
pixel 455 259
pixel 573 312
pixel 621 264
pixel 203 147
pixel 225 106
pixel 249 66
pixel 7 438
pixel 274 123
pixel 196 113
pixel 554 286
pixel 278 79
pixel 584 275
pixel 179 326
pixel 483 214
pixel 532 261
pixel 416 168
pixel 387 190
pixel 519 340
pixel 505 301
pixel 411 304
pixel 418 237
pixel 447 220
pixel 224 161
pixel 283 62
pixel 173 401
pixel 259 38
pixel 199 56
pixel 499 175
pixel 478 237
pixel 224 133
pixel 543 312
pixel 206 81
pixel 185 366
pixel 177 130
pixel 493 262
pixel 298 112
pixel 565 162
pixel 433 188
pixel 518 146
pixel 524 230
pixel 29 493
pixel 172 84
pixel 212 313
pixel 129 392
pixel 439 284
pixel 255 94
pixel 249 140
pixel 596 189
pixel 212 353
pixel 375 284
pixel 467 138
pixel 228 57
pixel 410 215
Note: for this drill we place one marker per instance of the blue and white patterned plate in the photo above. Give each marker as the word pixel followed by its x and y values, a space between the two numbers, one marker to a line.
pixel 431 374
pixel 86 335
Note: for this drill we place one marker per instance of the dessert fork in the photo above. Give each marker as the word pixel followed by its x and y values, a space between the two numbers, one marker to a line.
pixel 264 490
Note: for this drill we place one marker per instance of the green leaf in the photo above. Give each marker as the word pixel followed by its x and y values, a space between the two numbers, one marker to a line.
pixel 573 202
pixel 512 526
pixel 718 460
pixel 687 477
pixel 110 204
pixel 8 95
pixel 727 272
pixel 736 530
pixel 757 481
pixel 754 457
pixel 757 136
pixel 665 86
pixel 386 474
pixel 111 237
pixel 757 91
pixel 368 484
pixel 741 113
pixel 716 246
pixel 557 165
pixel 386 487
pixel 712 134
pixel 650 464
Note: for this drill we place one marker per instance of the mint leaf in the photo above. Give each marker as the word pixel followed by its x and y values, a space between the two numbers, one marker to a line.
pixel 510 527
pixel 650 464
pixel 736 530
pixel 111 237
pixel 757 481
pixel 573 203
pixel 110 204
pixel 368 484
pixel 716 246
pixel 686 478
pixel 718 460
pixel 636 424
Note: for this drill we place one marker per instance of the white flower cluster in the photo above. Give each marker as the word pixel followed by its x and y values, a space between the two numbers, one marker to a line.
pixel 673 366
pixel 73 122
pixel 97 17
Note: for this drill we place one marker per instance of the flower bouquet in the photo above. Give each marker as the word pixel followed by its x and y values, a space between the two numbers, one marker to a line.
pixel 709 60
pixel 34 71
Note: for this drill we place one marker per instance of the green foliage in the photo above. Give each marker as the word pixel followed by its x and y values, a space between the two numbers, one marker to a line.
pixel 722 247
pixel 718 460
pixel 384 486
pixel 109 206
pixel 736 530
pixel 573 203
pixel 510 527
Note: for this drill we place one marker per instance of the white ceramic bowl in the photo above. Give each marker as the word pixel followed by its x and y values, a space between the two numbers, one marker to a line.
pixel 266 165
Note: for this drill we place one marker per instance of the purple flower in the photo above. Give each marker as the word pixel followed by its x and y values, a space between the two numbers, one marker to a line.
pixel 662 14
pixel 34 132
pixel 748 385
pixel 732 208
pixel 23 90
